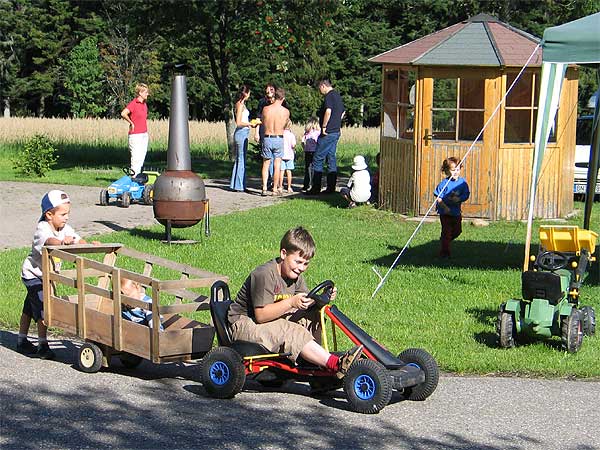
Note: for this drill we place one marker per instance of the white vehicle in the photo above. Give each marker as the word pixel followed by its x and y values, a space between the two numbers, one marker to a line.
pixel 582 157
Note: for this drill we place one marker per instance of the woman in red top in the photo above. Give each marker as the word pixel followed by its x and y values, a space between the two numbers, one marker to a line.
pixel 136 113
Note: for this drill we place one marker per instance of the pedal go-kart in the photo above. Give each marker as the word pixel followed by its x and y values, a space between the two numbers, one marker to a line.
pixel 368 384
pixel 550 289
pixel 128 188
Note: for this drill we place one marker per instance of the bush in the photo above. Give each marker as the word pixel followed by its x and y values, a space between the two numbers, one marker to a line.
pixel 37 157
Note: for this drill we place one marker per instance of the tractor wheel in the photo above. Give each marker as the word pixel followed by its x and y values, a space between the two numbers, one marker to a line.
pixel 90 358
pixel 130 361
pixel 588 317
pixel 572 333
pixel 126 200
pixel 148 194
pixel 420 358
pixel 103 197
pixel 368 386
pixel 223 373
pixel 506 328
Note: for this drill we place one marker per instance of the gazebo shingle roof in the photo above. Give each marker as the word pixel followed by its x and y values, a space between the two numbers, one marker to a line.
pixel 481 40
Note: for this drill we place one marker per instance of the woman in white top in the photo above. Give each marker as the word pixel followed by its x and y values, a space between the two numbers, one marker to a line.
pixel 240 137
pixel 359 184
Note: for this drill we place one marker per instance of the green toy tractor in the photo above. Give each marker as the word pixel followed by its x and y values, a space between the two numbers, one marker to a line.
pixel 550 289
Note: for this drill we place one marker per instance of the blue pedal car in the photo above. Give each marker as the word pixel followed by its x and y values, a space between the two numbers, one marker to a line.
pixel 128 189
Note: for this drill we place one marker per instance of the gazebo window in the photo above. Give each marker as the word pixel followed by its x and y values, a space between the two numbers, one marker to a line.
pixel 398 103
pixel 521 110
pixel 458 106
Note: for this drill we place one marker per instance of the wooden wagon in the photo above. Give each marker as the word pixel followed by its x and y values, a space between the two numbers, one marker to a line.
pixel 94 312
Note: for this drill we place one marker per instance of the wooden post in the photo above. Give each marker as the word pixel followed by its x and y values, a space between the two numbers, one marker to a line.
pixel 117 318
pixel 155 344
pixel 46 286
pixel 81 329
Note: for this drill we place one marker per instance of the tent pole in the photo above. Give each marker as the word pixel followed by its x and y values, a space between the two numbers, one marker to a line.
pixel 593 163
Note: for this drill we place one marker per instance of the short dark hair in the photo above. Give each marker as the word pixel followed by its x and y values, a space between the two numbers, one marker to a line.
pixel 446 164
pixel 298 240
pixel 279 94
pixel 325 82
pixel 242 92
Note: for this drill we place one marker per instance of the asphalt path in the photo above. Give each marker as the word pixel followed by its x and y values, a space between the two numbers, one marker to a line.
pixel 50 404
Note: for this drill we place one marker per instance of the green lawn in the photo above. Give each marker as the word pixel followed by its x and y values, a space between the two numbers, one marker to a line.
pixel 446 307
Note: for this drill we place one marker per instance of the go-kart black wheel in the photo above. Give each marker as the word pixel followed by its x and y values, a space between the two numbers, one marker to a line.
pixel 223 373
pixel 103 197
pixel 368 386
pixel 572 332
pixel 130 361
pixel 420 358
pixel 89 359
pixel 125 200
pixel 588 318
pixel 321 293
pixel 506 328
pixel 552 261
pixel 148 194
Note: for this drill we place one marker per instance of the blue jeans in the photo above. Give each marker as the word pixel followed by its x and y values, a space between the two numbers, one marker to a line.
pixel 326 147
pixel 238 175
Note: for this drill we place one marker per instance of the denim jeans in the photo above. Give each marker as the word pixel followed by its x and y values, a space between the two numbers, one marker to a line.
pixel 326 147
pixel 238 174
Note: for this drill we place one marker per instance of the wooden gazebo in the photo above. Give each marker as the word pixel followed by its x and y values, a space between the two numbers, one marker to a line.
pixel 437 94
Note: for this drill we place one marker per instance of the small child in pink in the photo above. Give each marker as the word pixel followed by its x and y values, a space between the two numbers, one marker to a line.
pixel 287 162
pixel 312 130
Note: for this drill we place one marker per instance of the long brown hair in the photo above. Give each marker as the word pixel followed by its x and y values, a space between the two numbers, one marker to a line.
pixel 244 90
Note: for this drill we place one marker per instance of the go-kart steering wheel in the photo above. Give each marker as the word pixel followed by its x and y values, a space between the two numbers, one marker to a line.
pixel 128 171
pixel 552 261
pixel 321 293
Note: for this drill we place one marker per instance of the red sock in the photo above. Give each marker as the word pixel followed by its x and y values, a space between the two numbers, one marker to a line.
pixel 333 363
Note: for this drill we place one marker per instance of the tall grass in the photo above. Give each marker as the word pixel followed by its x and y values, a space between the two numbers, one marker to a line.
pixel 93 151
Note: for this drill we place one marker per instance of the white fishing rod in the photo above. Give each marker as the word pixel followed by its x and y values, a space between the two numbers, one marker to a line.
pixel 383 279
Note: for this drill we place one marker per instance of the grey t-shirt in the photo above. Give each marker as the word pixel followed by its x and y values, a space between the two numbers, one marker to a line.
pixel 264 286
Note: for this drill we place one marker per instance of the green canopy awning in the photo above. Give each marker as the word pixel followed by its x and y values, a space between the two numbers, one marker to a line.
pixel 574 42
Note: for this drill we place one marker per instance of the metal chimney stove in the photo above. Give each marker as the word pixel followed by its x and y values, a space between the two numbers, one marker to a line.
pixel 179 194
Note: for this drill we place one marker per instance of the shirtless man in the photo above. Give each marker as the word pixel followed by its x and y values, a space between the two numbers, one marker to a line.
pixel 274 117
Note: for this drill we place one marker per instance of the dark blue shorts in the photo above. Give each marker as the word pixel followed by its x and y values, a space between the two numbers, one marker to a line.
pixel 34 301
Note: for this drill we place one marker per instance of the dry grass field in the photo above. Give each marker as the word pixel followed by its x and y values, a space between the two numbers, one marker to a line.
pixel 114 131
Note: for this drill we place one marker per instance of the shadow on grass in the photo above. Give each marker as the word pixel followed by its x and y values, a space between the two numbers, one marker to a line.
pixel 465 254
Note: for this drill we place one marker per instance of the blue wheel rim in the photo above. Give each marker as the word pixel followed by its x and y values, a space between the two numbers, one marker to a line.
pixel 219 373
pixel 412 364
pixel 365 387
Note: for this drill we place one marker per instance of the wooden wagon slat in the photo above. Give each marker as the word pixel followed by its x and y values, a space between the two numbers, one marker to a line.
pixel 184 268
pixel 52 276
pixel 85 248
pixel 184 308
pixel 191 283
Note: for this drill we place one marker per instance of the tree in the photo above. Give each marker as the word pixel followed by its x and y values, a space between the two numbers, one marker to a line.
pixel 8 57
pixel 83 78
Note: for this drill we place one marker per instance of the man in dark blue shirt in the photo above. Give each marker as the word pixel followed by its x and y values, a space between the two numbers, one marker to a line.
pixel 330 118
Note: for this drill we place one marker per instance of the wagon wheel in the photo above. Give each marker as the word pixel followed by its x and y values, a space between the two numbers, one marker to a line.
pixel 506 328
pixel 588 317
pixel 90 358
pixel 420 358
pixel 223 373
pixel 368 386
pixel 130 361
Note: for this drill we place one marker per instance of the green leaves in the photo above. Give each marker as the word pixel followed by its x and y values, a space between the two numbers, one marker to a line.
pixel 36 158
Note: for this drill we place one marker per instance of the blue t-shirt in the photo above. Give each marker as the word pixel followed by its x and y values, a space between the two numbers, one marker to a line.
pixel 452 194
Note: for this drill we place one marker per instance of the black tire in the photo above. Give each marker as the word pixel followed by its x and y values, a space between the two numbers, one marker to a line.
pixel 130 361
pixel 103 197
pixel 223 373
pixel 588 318
pixel 424 361
pixel 368 386
pixel 506 328
pixel 125 200
pixel 571 331
pixel 89 359
pixel 148 194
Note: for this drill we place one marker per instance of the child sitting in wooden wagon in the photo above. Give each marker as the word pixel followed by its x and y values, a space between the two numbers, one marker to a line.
pixel 135 290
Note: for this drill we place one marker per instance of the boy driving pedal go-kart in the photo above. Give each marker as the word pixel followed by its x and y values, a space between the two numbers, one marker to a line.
pixel 272 332
pixel 130 188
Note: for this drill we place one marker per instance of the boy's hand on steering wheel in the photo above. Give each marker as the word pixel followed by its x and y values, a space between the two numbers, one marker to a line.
pixel 301 301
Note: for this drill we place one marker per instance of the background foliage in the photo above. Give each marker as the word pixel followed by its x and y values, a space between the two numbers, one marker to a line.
pixel 49 66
